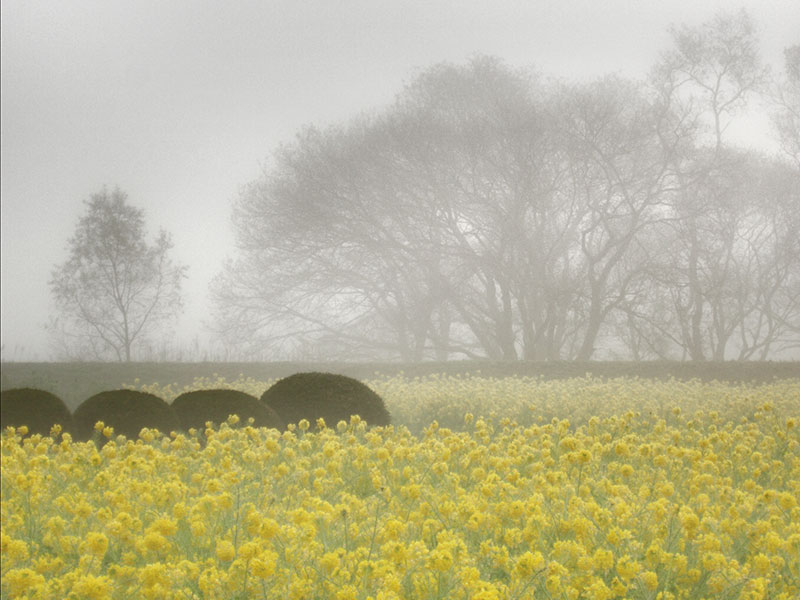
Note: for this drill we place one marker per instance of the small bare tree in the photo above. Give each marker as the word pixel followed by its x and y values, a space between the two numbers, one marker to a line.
pixel 114 289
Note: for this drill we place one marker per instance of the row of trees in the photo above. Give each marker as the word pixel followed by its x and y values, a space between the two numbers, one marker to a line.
pixel 494 213
pixel 491 212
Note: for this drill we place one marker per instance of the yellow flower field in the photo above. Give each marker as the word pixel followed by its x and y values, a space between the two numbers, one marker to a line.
pixel 483 488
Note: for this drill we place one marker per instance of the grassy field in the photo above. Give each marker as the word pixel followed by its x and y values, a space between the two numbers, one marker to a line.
pixel 74 382
pixel 485 488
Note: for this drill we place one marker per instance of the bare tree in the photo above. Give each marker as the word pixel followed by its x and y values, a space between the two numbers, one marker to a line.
pixel 787 114
pixel 620 173
pixel 367 234
pixel 332 252
pixel 735 249
pixel 713 69
pixel 114 290
pixel 703 80
pixel 492 167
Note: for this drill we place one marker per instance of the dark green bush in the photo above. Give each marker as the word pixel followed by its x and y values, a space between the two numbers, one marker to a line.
pixel 195 408
pixel 330 396
pixel 37 409
pixel 127 411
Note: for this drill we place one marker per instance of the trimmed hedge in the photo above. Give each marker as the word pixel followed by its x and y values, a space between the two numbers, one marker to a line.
pixel 127 411
pixel 195 408
pixel 310 396
pixel 328 396
pixel 37 409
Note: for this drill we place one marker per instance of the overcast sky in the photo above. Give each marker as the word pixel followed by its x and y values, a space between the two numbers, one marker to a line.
pixel 179 103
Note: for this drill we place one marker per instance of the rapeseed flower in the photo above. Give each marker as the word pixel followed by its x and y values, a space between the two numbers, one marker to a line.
pixel 93 587
pixel 577 489
pixel 96 544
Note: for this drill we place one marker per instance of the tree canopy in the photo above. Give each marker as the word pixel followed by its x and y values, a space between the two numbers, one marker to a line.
pixel 490 212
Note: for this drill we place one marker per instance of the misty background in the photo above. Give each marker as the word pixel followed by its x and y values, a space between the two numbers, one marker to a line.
pixel 181 104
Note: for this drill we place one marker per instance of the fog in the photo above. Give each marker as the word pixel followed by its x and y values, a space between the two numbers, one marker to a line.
pixel 180 104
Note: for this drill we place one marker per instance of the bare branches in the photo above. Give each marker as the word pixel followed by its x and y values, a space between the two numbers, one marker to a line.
pixel 488 213
pixel 114 290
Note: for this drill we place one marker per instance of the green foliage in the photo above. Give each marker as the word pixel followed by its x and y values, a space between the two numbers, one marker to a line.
pixel 195 408
pixel 37 409
pixel 127 411
pixel 329 396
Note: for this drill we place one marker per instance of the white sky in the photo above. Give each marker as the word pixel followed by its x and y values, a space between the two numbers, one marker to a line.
pixel 181 102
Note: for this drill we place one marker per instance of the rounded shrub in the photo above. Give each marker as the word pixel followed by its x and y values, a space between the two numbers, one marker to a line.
pixel 330 396
pixel 195 408
pixel 127 411
pixel 37 409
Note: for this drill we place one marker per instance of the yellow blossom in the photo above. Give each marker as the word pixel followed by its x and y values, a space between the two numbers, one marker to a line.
pixel 91 587
pixel 225 550
pixel 96 544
